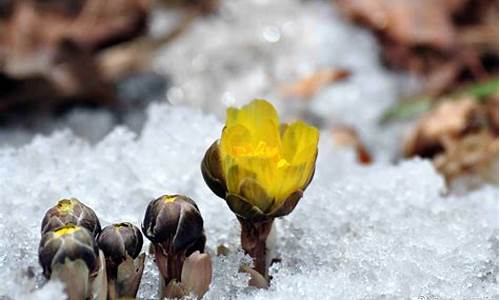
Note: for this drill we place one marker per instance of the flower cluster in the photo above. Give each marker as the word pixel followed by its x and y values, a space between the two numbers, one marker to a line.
pixel 93 263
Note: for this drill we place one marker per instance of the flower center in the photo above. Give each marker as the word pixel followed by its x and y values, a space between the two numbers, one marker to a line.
pixel 261 150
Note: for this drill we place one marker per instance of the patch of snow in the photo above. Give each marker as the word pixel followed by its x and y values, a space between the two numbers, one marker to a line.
pixel 359 232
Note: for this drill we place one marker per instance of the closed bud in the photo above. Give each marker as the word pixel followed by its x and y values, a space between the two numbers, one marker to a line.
pixel 175 227
pixel 175 223
pixel 119 240
pixel 121 244
pixel 71 211
pixel 69 242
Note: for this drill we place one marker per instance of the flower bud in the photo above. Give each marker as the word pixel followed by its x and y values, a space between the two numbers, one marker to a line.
pixel 68 242
pixel 119 240
pixel 175 228
pixel 71 211
pixel 121 243
pixel 175 223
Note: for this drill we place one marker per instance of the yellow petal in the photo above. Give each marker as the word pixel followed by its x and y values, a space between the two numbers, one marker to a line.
pixel 235 141
pixel 252 178
pixel 299 148
pixel 260 118
pixel 290 179
pixel 255 112
pixel 300 142
pixel 262 169
pixel 265 171
pixel 253 192
pixel 235 175
pixel 263 161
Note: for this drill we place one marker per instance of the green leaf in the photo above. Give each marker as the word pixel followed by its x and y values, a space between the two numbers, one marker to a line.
pixel 483 89
pixel 412 108
pixel 407 109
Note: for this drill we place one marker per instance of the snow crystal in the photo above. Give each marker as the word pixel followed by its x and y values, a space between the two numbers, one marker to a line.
pixel 53 290
pixel 373 232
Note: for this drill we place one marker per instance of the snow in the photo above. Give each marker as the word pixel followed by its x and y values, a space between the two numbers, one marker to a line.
pixel 359 232
pixel 379 232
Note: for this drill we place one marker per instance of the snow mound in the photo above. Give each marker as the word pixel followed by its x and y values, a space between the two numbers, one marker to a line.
pixel 359 232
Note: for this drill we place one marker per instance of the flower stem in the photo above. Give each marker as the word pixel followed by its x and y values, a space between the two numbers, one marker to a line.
pixel 170 267
pixel 174 267
pixel 111 274
pixel 253 242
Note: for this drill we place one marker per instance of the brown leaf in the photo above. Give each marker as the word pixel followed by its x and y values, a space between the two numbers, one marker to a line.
pixel 412 22
pixel 308 86
pixel 346 136
pixel 447 121
pixel 461 136
pixel 446 42
pixel 474 154
pixel 44 44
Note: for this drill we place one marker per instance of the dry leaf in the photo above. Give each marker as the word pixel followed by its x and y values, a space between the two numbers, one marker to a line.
pixel 311 84
pixel 446 42
pixel 346 136
pixel 461 136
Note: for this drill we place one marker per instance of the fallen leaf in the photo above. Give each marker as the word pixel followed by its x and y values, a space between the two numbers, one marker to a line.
pixel 308 86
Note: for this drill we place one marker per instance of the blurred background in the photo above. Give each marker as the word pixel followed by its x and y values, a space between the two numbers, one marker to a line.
pixel 388 79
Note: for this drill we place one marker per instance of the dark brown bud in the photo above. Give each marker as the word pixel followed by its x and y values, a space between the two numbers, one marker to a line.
pixel 71 211
pixel 67 242
pixel 175 223
pixel 119 240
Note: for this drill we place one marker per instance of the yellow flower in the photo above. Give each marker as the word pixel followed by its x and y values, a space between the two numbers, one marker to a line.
pixel 260 162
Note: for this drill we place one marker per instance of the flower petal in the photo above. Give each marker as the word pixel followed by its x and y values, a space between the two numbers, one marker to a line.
pixel 235 140
pixel 300 142
pixel 251 189
pixel 260 118
pixel 289 181
pixel 251 114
